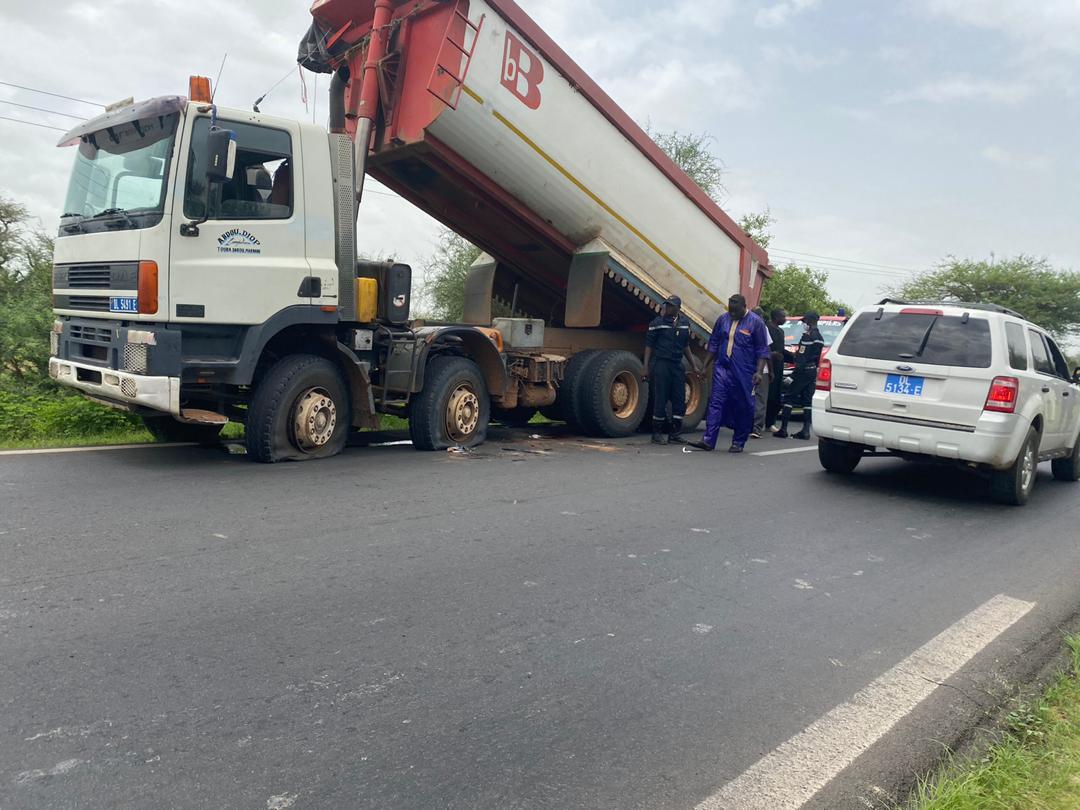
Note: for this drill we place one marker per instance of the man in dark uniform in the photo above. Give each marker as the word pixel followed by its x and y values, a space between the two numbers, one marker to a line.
pixel 666 343
pixel 779 354
pixel 801 392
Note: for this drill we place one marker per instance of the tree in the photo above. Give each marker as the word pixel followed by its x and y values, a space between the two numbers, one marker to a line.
pixel 25 303
pixel 797 290
pixel 758 226
pixel 1043 295
pixel 445 272
pixel 691 152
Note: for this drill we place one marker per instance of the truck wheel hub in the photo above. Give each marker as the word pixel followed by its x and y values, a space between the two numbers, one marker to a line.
pixel 315 419
pixel 462 413
pixel 624 395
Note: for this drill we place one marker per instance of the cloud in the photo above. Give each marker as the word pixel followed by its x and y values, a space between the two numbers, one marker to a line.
pixel 687 94
pixel 1008 159
pixel 964 88
pixel 802 61
pixel 777 15
pixel 1041 24
pixel 894 55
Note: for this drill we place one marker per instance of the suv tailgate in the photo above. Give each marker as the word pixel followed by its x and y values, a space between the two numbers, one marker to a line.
pixel 915 365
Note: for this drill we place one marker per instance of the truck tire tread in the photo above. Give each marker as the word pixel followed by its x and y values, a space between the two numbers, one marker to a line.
pixel 428 409
pixel 569 401
pixel 597 416
pixel 262 435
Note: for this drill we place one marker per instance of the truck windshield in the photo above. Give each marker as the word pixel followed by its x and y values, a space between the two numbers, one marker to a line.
pixel 120 176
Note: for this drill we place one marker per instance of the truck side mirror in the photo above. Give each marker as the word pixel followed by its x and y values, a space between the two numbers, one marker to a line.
pixel 220 155
pixel 220 159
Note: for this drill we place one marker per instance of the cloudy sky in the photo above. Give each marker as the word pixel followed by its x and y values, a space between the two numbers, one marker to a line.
pixel 882 135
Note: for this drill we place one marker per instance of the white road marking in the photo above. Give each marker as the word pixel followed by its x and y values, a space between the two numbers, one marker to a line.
pixel 786 451
pixel 47 450
pixel 793 773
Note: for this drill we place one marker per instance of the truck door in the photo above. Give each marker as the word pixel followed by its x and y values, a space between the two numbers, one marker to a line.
pixel 248 260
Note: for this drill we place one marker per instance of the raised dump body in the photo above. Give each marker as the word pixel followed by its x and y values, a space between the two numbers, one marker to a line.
pixel 488 126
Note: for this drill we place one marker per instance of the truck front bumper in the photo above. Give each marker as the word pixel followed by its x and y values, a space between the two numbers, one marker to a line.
pixel 119 388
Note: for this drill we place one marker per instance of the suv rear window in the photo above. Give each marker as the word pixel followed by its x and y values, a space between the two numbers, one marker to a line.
pixel 939 340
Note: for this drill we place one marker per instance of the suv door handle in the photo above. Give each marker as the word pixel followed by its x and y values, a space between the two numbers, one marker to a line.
pixel 1064 393
pixel 1046 389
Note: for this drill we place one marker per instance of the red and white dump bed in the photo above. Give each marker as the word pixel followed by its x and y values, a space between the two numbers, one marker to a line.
pixel 488 126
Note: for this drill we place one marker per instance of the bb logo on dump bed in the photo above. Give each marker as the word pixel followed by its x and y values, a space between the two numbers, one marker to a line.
pixel 522 72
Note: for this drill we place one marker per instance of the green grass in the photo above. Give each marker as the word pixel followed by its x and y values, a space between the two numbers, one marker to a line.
pixel 1035 767
pixel 133 436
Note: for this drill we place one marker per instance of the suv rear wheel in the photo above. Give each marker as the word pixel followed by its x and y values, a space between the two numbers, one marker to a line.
pixel 1068 468
pixel 1013 485
pixel 839 457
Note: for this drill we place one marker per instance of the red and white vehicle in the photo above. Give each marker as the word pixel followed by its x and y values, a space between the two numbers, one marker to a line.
pixel 830 327
pixel 206 266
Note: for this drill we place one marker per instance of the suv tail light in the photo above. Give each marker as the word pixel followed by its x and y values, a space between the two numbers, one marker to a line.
pixel 1003 394
pixel 824 375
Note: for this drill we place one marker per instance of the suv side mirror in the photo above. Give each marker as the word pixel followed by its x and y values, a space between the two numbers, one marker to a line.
pixel 220 155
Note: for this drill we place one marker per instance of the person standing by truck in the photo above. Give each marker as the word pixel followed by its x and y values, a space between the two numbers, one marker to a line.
pixel 777 319
pixel 738 351
pixel 666 344
pixel 761 391
pixel 801 393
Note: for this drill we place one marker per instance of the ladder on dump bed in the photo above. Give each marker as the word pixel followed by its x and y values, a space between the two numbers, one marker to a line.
pixel 447 80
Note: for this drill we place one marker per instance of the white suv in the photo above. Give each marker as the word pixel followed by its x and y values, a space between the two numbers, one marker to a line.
pixel 975 384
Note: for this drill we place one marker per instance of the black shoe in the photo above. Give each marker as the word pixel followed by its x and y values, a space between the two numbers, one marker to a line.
pixel 735 448
pixel 659 438
pixel 803 434
pixel 676 438
pixel 781 434
pixel 702 446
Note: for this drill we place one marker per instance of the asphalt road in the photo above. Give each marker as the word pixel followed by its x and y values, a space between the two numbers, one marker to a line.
pixel 547 623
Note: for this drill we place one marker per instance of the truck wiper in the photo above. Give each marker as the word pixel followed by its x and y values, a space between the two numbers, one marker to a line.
pixel 72 227
pixel 116 212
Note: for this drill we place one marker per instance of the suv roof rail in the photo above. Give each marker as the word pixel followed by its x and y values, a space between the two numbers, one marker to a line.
pixel 962 304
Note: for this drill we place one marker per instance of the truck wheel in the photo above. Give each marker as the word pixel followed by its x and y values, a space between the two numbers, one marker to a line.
pixel 453 409
pixel 1013 486
pixel 839 457
pixel 299 411
pixel 567 406
pixel 614 398
pixel 698 389
pixel 1068 468
pixel 167 429
pixel 515 417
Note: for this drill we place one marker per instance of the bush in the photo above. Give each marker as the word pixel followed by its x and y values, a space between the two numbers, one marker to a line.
pixel 51 414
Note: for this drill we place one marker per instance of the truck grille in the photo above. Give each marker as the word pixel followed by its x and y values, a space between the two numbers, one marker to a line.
pixel 90 334
pixel 135 358
pixel 93 277
pixel 91 303
pixel 111 276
